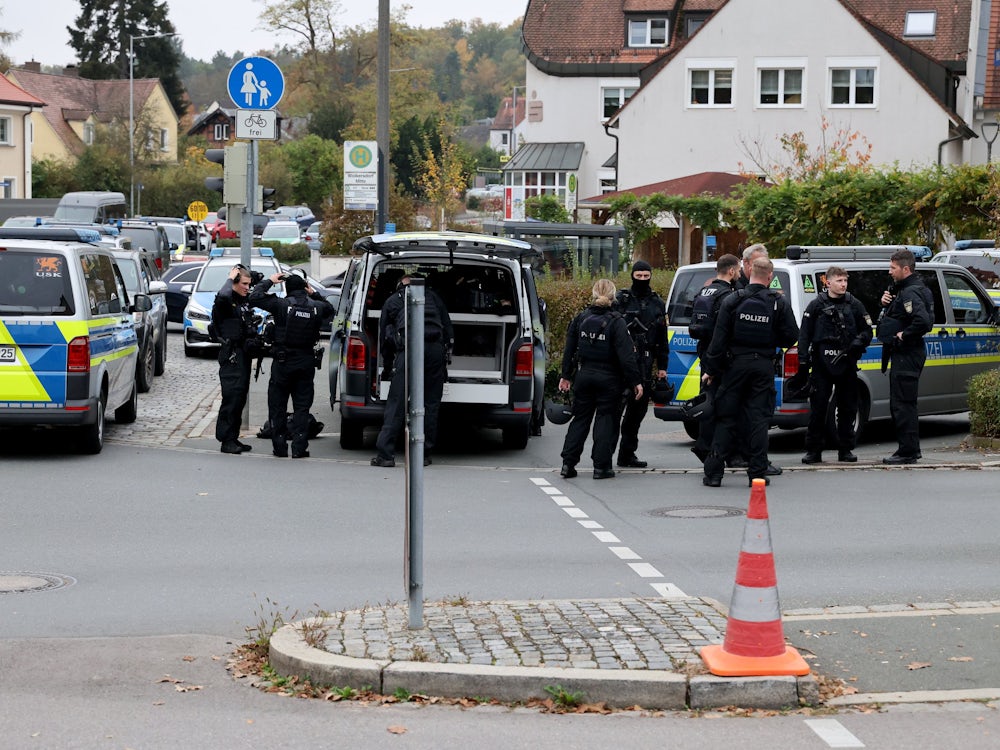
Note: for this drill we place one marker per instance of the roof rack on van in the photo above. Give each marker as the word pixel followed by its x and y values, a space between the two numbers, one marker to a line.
pixel 109 230
pixel 260 252
pixel 58 234
pixel 973 244
pixel 385 244
pixel 853 252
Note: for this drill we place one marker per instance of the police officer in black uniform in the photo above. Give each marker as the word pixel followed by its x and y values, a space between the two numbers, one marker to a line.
pixel 298 318
pixel 752 324
pixel 704 313
pixel 751 254
pixel 600 361
pixel 836 329
pixel 646 317
pixel 439 338
pixel 232 324
pixel 907 315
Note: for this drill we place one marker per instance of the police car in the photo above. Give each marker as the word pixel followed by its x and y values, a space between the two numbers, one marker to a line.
pixel 198 312
pixel 68 343
pixel 981 259
pixel 964 341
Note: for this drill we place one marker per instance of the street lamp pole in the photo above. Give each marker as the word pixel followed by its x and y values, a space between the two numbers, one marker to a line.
pixel 131 113
pixel 989 129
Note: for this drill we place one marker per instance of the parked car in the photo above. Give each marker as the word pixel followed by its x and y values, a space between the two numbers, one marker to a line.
pixel 142 277
pixel 492 190
pixel 963 342
pixel 313 236
pixel 983 262
pixel 24 221
pixel 284 232
pixel 180 279
pixel 68 345
pixel 497 375
pixel 220 231
pixel 150 237
pixel 301 215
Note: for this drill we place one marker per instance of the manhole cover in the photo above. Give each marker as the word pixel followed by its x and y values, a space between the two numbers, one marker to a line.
pixel 697 511
pixel 26 583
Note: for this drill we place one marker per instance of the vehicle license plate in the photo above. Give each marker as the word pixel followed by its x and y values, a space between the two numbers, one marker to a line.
pixel 8 353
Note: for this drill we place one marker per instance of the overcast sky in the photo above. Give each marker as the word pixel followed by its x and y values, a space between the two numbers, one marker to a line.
pixel 206 27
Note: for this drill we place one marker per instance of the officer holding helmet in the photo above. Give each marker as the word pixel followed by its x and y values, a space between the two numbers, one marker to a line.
pixel 646 318
pixel 298 318
pixel 232 324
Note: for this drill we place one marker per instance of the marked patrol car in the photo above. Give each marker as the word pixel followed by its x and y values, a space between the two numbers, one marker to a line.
pixel 68 344
pixel 982 260
pixel 964 341
pixel 497 375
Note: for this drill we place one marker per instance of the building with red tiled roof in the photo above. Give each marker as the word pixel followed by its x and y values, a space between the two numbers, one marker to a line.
pixel 16 106
pixel 75 108
pixel 504 128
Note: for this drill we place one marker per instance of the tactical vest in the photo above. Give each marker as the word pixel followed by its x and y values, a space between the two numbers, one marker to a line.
pixel 835 323
pixel 595 346
pixel 705 310
pixel 302 325
pixel 754 317
pixel 433 324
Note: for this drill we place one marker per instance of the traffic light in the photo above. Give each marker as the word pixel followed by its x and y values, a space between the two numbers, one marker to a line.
pixel 233 183
pixel 263 204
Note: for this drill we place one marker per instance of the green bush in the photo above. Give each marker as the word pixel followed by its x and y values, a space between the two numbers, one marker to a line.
pixel 984 404
pixel 565 297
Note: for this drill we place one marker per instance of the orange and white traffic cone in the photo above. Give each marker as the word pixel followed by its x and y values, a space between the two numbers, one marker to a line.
pixel 755 640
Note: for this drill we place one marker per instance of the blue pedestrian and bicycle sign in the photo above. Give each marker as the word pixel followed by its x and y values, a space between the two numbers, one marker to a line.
pixel 255 83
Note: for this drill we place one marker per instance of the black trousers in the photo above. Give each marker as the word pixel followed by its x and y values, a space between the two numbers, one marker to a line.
pixel 747 392
pixel 823 385
pixel 904 384
pixel 234 377
pixel 597 397
pixel 635 412
pixel 435 373
pixel 706 426
pixel 292 377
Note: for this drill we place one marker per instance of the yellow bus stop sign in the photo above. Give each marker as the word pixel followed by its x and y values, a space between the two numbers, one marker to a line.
pixel 197 211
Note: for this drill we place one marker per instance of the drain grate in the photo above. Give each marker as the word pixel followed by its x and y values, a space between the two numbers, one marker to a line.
pixel 697 511
pixel 28 583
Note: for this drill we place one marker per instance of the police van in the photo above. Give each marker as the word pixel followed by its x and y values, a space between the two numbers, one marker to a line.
pixel 964 341
pixel 68 343
pixel 496 377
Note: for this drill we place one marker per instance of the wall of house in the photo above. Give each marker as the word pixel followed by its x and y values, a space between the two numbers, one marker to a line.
pixel 572 110
pixel 161 115
pixel 663 138
pixel 47 144
pixel 12 161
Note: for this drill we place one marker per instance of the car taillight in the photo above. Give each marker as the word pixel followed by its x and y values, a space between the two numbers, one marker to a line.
pixel 159 263
pixel 524 364
pixel 78 355
pixel 790 361
pixel 357 355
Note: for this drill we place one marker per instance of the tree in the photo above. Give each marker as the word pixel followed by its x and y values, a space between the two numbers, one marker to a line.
pixel 315 168
pixel 6 37
pixel 546 208
pixel 101 39
pixel 309 21
pixel 443 175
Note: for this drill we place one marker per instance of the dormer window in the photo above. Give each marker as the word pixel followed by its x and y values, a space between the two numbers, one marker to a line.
pixel 647 32
pixel 920 23
pixel 88 133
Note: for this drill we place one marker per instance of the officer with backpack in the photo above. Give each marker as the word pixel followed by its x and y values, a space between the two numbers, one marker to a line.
pixel 298 318
pixel 646 318
pixel 752 324
pixel 836 329
pixel 704 312
pixel 598 363
pixel 438 340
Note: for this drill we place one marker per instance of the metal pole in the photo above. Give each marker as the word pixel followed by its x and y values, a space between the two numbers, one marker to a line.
pixel 417 302
pixel 131 126
pixel 246 234
pixel 382 117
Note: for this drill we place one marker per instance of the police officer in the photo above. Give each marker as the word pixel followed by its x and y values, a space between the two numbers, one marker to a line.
pixel 752 324
pixel 750 254
pixel 438 340
pixel 907 315
pixel 298 318
pixel 645 316
pixel 704 313
pixel 600 361
pixel 232 324
pixel 836 329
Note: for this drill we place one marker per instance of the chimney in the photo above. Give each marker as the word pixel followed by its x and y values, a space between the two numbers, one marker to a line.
pixel 32 66
pixel 71 71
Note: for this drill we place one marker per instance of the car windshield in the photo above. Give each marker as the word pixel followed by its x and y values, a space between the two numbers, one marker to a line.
pixel 280 231
pixel 214 274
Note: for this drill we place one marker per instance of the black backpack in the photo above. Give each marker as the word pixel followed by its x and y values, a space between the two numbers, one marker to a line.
pixel 705 310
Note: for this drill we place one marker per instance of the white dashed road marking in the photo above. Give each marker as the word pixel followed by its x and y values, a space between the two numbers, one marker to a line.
pixel 833 733
pixel 642 569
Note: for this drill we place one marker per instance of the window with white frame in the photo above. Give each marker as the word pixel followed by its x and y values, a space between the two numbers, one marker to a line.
pixel 853 83
pixel 613 97
pixel 710 83
pixel 164 139
pixel 647 32
pixel 7 186
pixel 920 23
pixel 692 24
pixel 6 131
pixel 220 131
pixel 780 82
pixel 88 133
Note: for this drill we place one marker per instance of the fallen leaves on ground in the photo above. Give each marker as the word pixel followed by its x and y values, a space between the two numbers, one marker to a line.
pixel 396 729
pixel 960 658
pixel 913 665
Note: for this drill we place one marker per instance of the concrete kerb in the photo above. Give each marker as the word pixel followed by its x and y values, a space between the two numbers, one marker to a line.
pixel 290 655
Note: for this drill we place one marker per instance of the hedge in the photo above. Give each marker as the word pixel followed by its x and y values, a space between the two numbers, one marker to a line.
pixel 984 404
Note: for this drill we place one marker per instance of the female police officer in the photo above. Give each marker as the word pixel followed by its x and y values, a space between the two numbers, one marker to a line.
pixel 600 354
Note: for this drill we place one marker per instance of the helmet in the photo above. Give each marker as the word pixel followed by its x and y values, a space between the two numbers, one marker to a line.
pixel 701 406
pixel 558 413
pixel 661 391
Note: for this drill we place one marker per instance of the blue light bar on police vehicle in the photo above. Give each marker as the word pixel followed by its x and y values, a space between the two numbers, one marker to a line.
pixel 220 252
pixel 853 252
pixel 46 232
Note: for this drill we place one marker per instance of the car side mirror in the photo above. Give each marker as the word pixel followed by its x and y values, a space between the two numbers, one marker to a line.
pixel 141 303
pixel 187 289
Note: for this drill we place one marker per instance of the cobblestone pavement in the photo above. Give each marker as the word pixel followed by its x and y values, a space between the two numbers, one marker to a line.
pixel 584 634
pixel 182 402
